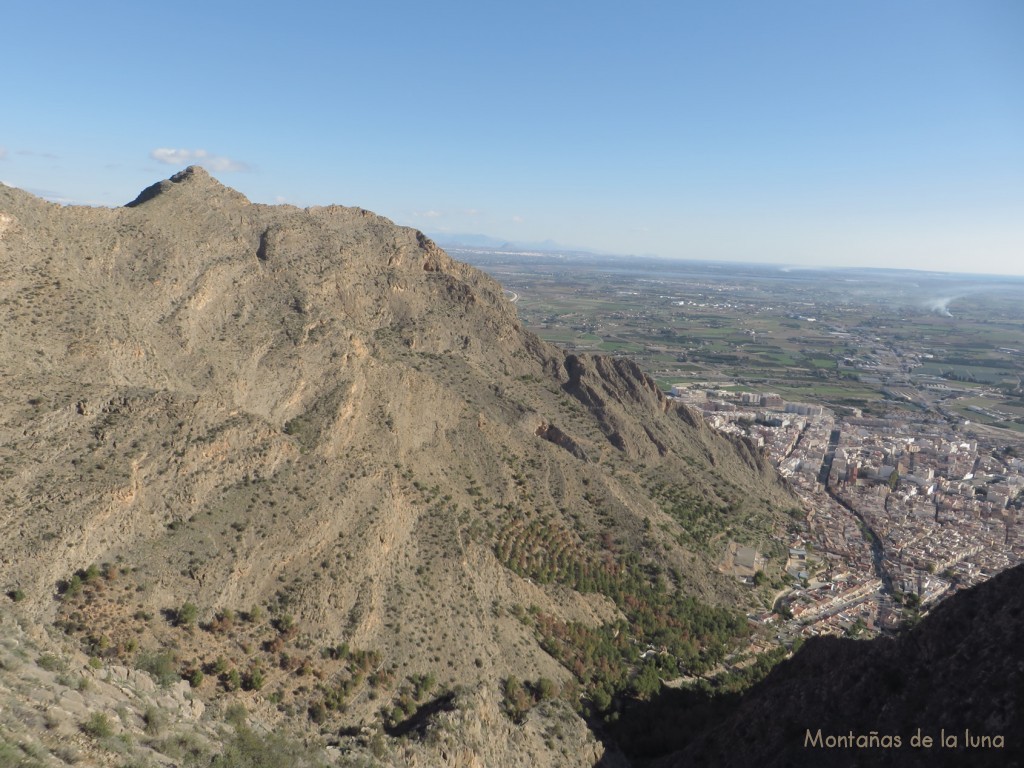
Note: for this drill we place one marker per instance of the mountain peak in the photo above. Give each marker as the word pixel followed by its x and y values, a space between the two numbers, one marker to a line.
pixel 319 414
pixel 195 179
pixel 194 173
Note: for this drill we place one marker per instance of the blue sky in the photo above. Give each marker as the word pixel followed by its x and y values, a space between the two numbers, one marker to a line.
pixel 867 132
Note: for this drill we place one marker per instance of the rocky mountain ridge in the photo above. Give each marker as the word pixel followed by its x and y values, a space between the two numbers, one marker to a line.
pixel 305 447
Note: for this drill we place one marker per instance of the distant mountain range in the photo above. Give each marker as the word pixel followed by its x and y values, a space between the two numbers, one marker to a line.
pixel 476 240
pixel 470 240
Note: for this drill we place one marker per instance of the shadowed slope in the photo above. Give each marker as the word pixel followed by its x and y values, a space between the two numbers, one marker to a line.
pixel 960 670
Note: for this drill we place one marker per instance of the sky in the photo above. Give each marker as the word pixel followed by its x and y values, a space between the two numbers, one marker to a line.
pixel 797 132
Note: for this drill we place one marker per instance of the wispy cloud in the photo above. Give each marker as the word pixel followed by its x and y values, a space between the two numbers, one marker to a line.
pixel 3 153
pixel 427 214
pixel 217 163
pixel 517 219
pixel 33 153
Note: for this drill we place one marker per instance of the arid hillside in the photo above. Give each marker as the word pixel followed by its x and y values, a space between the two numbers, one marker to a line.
pixel 308 462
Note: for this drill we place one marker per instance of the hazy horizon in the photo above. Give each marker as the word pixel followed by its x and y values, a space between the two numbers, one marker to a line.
pixel 868 135
pixel 555 249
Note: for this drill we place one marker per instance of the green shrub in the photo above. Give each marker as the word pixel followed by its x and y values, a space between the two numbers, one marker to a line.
pixel 253 680
pixel 183 746
pixel 545 689
pixel 73 588
pixel 378 746
pixel 186 615
pixel 236 715
pixel 254 615
pixel 51 663
pixel 98 726
pixel 647 681
pixel 318 712
pixel 422 684
pixel 515 699
pixel 249 750
pixel 232 680
pixel 154 720
pixel 162 666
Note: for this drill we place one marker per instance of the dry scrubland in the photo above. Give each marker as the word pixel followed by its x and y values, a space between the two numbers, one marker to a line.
pixel 315 478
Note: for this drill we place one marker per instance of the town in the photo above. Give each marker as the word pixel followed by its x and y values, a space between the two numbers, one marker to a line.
pixel 890 401
pixel 899 512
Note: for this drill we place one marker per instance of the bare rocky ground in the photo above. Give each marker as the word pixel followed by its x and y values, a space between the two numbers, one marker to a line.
pixel 58 710
pixel 307 455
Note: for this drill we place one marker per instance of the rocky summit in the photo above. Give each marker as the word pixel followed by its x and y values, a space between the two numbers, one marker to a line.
pixel 273 473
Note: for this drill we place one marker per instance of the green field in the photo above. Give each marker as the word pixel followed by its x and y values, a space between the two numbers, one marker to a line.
pixel 750 325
